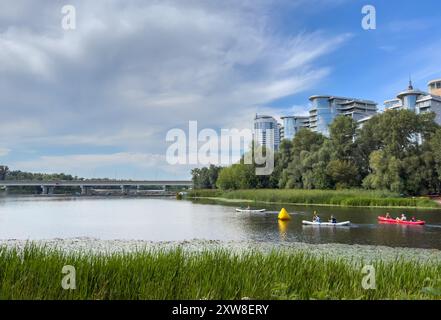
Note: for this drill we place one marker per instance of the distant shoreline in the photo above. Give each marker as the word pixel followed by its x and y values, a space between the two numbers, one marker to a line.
pixel 226 200
pixel 351 198
pixel 97 196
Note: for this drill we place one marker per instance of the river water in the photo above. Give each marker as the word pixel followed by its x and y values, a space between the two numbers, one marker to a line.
pixel 37 218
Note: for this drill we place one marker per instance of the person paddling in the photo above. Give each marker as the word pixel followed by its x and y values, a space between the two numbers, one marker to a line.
pixel 333 219
pixel 315 218
pixel 403 217
pixel 388 215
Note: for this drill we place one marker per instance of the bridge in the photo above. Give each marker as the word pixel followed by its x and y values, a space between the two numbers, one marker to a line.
pixel 47 187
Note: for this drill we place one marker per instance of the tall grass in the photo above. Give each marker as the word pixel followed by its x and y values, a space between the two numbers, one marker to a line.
pixel 35 273
pixel 355 198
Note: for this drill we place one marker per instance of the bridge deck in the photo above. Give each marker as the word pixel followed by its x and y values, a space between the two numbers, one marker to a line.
pixel 94 183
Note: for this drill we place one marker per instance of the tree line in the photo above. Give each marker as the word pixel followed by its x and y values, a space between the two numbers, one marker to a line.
pixel 6 174
pixel 397 150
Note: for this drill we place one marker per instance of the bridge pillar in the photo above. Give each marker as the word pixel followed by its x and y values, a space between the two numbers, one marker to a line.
pixel 44 189
pixel 124 189
pixel 50 190
pixel 84 190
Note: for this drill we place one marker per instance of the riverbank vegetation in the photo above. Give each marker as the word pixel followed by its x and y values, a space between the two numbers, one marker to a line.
pixel 35 273
pixel 354 197
pixel 398 151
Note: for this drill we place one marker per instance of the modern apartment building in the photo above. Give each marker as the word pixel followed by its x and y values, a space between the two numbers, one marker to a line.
pixel 435 87
pixel 418 101
pixel 324 109
pixel 267 132
pixel 292 124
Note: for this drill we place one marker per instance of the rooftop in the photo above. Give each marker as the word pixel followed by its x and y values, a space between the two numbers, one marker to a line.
pixel 348 100
pixel 295 117
pixel 411 92
pixel 433 81
pixel 263 117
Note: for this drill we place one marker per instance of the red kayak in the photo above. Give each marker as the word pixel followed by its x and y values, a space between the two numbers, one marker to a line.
pixel 389 220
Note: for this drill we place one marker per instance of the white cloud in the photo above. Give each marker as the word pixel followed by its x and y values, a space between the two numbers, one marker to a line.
pixel 134 69
pixel 4 152
pixel 85 164
pixel 92 160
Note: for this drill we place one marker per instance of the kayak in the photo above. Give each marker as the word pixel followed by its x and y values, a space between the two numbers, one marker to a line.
pixel 330 224
pixel 250 210
pixel 389 220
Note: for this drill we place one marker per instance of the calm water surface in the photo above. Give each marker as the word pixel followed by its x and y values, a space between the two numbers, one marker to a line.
pixel 168 220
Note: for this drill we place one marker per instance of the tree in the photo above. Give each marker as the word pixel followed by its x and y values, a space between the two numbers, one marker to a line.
pixel 303 158
pixel 345 165
pixel 213 173
pixel 385 172
pixel 342 134
pixel 397 150
pixel 282 160
pixel 402 159
pixel 367 140
pixel 420 174
pixel 4 170
pixel 237 176
pixel 306 140
pixel 205 178
pixel 398 131
pixel 435 145
pixel 344 173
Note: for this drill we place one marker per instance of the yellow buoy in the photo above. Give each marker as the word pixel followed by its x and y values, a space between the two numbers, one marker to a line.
pixel 284 215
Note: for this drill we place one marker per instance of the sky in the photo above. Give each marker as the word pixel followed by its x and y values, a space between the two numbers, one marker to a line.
pixel 98 101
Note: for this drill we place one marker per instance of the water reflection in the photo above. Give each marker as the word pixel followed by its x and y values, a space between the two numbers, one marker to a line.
pixel 283 227
pixel 169 220
pixel 319 233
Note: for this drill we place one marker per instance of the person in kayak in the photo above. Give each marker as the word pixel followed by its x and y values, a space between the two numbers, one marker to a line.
pixel 315 217
pixel 333 219
pixel 388 216
pixel 403 217
pixel 413 219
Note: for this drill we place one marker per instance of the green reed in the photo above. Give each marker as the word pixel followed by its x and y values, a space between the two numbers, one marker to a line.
pixel 355 197
pixel 35 273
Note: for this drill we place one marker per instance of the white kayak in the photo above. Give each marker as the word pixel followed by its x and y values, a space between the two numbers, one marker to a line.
pixel 250 210
pixel 344 223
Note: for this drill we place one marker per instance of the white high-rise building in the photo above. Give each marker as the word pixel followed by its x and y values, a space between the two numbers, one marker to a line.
pixel 324 109
pixel 418 101
pixel 267 132
pixel 292 125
